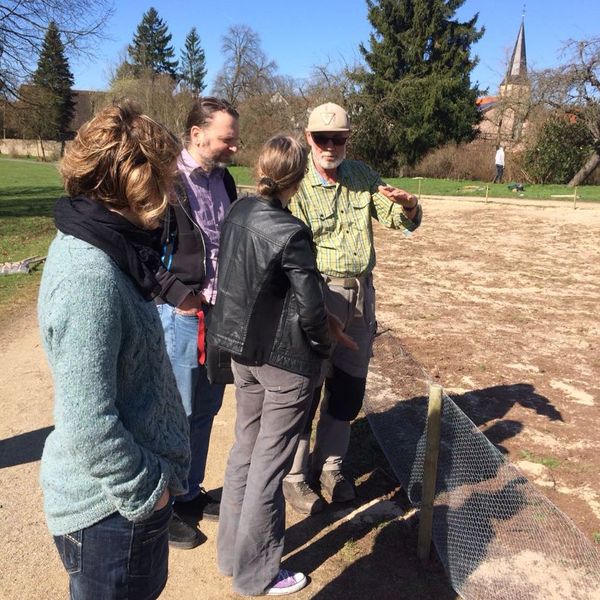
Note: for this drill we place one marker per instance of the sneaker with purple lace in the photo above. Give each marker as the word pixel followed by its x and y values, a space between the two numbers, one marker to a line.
pixel 286 582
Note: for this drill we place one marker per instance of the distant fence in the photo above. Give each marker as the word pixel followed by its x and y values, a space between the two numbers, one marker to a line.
pixel 30 148
pixel 497 535
pixel 246 190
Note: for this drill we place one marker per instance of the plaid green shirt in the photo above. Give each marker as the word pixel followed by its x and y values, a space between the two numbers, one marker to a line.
pixel 339 215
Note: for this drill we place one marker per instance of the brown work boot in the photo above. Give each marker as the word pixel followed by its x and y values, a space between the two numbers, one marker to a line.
pixel 301 498
pixel 337 486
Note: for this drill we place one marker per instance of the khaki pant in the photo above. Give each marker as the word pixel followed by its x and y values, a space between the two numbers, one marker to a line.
pixel 355 308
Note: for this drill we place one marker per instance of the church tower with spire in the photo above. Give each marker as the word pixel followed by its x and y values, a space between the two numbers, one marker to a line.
pixel 516 73
pixel 515 93
pixel 504 115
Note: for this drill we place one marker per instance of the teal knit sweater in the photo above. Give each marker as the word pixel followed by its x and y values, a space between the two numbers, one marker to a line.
pixel 121 434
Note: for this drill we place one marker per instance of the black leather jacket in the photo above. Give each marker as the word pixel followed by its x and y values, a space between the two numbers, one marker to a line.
pixel 183 253
pixel 270 305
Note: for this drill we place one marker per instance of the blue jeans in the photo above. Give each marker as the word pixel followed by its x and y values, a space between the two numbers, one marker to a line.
pixel 499 174
pixel 116 559
pixel 201 400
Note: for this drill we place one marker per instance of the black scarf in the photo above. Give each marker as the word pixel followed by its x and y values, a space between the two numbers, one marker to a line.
pixel 136 251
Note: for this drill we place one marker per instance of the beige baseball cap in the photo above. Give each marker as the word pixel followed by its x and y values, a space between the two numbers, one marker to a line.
pixel 328 117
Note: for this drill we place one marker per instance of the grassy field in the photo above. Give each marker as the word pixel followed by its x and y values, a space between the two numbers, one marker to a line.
pixel 242 175
pixel 477 189
pixel 28 190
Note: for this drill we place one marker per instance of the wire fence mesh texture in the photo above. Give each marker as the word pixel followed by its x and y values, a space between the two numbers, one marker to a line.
pixel 496 534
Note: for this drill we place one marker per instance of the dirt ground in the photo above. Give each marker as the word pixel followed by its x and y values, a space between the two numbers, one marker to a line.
pixel 499 302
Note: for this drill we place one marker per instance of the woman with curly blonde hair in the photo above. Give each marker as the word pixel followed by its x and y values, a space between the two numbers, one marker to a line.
pixel 120 446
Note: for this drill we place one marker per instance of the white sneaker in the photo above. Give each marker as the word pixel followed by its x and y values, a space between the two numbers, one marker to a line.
pixel 286 582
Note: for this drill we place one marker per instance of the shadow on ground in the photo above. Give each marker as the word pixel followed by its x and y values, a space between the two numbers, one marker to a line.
pixel 372 554
pixel 491 405
pixel 28 202
pixel 23 448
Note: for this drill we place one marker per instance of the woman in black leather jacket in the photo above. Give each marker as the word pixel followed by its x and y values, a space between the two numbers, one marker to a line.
pixel 270 315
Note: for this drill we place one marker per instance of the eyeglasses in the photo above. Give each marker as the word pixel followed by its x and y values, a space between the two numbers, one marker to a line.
pixel 324 139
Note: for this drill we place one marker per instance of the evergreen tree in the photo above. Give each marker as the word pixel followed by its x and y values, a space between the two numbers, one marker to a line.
pixel 51 94
pixel 23 27
pixel 416 93
pixel 150 50
pixel 193 63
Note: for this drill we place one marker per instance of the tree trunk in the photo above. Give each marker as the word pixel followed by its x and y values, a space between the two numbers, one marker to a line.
pixel 42 147
pixel 592 162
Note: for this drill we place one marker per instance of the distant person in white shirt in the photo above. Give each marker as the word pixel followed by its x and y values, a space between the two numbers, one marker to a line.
pixel 499 163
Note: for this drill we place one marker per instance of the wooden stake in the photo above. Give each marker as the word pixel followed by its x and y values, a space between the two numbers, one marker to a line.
pixel 487 192
pixel 575 198
pixel 419 179
pixel 432 450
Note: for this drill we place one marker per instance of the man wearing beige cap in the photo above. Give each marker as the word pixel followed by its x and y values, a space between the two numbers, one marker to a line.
pixel 337 199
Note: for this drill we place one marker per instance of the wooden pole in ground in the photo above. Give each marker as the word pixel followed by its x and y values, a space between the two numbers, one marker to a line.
pixel 419 179
pixel 575 198
pixel 487 192
pixel 432 450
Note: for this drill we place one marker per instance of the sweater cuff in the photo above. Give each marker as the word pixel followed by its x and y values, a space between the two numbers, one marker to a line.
pixel 147 508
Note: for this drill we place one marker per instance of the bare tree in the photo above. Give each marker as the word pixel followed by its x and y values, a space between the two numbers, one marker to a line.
pixel 157 95
pixel 247 71
pixel 23 24
pixel 328 83
pixel 574 89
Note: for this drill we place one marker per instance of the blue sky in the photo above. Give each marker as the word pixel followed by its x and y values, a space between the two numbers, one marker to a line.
pixel 303 33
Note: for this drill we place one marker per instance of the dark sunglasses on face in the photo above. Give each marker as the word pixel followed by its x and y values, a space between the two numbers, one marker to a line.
pixel 324 139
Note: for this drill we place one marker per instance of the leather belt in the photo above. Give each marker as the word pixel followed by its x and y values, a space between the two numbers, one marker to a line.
pixel 348 283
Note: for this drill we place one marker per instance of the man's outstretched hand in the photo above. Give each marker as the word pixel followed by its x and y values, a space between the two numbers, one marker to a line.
pixel 398 196
pixel 336 331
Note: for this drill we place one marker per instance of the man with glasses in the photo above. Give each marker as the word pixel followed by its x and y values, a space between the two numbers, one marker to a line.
pixel 337 199
pixel 188 280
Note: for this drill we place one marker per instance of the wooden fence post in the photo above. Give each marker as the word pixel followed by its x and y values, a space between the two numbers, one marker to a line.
pixel 432 450
pixel 419 179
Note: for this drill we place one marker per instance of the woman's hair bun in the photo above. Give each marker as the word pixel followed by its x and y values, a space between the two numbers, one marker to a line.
pixel 267 186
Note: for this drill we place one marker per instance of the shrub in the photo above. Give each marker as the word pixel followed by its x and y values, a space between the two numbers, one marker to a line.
pixel 459 161
pixel 557 152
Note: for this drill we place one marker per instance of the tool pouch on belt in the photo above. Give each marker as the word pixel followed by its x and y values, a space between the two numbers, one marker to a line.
pixel 218 365
pixel 217 361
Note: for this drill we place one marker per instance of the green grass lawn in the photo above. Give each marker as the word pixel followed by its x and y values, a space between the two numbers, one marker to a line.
pixel 242 175
pixel 28 190
pixel 477 189
pixel 449 187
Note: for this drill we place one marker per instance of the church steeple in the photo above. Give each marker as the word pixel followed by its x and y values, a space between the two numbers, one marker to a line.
pixel 517 67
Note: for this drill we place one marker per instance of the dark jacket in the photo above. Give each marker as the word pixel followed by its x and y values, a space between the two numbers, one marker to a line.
pixel 183 252
pixel 270 305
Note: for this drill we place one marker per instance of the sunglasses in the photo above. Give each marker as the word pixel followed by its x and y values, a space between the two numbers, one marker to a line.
pixel 324 139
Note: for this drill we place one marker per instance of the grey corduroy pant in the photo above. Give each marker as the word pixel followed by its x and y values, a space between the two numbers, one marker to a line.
pixel 272 406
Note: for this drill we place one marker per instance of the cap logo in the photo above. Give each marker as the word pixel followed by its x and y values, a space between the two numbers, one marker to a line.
pixel 328 117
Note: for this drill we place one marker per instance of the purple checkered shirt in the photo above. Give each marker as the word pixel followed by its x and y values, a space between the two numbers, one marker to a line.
pixel 209 203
